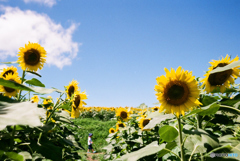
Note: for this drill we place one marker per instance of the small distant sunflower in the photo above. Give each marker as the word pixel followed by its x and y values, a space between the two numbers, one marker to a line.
pixel 48 100
pixel 143 122
pixel 122 113
pixel 77 103
pixel 220 79
pixel 12 70
pixel 7 90
pixel 177 91
pixel 32 57
pixel 111 130
pixel 120 125
pixel 71 88
pixel 35 99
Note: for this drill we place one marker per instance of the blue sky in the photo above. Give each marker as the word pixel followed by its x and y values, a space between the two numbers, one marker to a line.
pixel 117 49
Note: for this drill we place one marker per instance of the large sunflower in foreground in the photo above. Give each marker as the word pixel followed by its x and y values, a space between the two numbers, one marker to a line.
pixel 32 57
pixel 77 103
pixel 220 79
pixel 177 91
pixel 122 113
pixel 143 122
pixel 71 88
pixel 12 70
pixel 7 90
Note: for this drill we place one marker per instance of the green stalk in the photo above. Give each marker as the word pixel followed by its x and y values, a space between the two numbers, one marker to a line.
pixel 23 75
pixel 12 140
pixel 180 138
pixel 54 109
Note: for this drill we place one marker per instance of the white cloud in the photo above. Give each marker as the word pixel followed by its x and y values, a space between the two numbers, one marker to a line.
pixel 2 66
pixel 48 3
pixel 17 27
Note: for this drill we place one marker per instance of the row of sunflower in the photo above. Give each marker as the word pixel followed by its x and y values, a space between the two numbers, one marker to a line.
pixel 34 129
pixel 198 119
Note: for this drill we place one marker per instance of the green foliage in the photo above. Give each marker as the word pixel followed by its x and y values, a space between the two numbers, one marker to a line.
pixel 100 131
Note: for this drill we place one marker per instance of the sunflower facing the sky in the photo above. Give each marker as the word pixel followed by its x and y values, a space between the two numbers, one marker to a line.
pixel 143 122
pixel 71 88
pixel 7 90
pixel 12 70
pixel 77 103
pixel 32 57
pixel 122 113
pixel 177 91
pixel 220 79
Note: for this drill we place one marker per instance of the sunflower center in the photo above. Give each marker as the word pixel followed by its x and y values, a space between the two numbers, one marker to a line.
pixel 7 72
pixel 32 57
pixel 77 101
pixel 145 122
pixel 155 109
pixel 112 131
pixel 219 78
pixel 9 90
pixel 123 114
pixel 120 125
pixel 176 93
pixel 71 90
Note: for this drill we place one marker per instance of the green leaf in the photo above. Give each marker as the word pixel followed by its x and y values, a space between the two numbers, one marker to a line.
pixel 206 138
pixel 45 90
pixel 207 110
pixel 14 85
pixel 14 156
pixel 34 73
pixel 168 133
pixel 157 120
pixel 169 146
pixel 35 82
pixel 207 100
pixel 25 154
pixel 194 144
pixel 211 110
pixel 146 151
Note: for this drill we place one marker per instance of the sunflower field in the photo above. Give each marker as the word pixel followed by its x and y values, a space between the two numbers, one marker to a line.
pixel 196 118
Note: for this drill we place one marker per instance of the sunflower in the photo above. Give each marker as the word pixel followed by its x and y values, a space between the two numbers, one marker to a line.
pixel 120 124
pixel 222 79
pixel 48 100
pixel 143 122
pixel 32 57
pixel 77 103
pixel 122 113
pixel 35 99
pixel 111 130
pixel 12 70
pixel 71 88
pixel 177 91
pixel 7 90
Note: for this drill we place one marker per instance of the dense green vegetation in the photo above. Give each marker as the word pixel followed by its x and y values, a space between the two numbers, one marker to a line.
pixel 100 130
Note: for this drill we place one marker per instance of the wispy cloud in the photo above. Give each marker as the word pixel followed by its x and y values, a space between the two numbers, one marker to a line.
pixel 48 3
pixel 17 27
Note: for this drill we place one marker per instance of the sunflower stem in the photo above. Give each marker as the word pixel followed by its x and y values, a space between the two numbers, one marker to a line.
pixel 180 138
pixel 54 109
pixel 12 140
pixel 23 75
